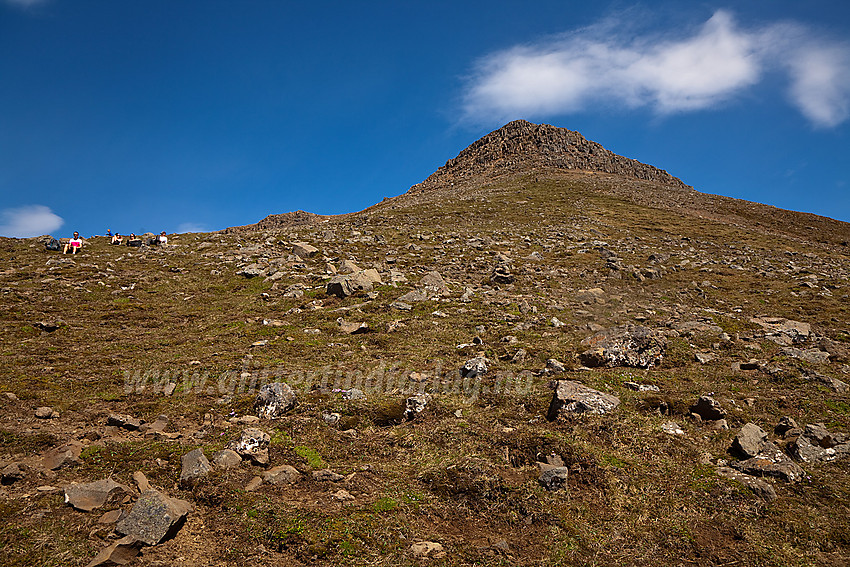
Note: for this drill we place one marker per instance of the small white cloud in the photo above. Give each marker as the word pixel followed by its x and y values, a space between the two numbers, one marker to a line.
pixel 700 70
pixel 820 83
pixel 191 227
pixel 29 220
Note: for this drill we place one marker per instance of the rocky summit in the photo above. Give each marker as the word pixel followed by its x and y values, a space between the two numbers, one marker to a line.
pixel 544 353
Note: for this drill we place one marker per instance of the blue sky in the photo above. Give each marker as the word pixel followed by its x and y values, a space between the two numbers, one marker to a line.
pixel 177 115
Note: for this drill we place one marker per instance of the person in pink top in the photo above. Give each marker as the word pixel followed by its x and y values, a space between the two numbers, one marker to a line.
pixel 74 244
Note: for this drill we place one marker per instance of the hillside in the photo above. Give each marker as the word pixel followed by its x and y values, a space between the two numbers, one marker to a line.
pixel 425 341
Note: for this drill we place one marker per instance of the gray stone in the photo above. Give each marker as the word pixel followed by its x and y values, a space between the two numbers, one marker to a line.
pixel 66 454
pixel 127 422
pixel 811 355
pixel 474 367
pixel 353 394
pixel 282 474
pixel 11 474
pixel 252 444
pixel 414 296
pixel 574 397
pixel 771 461
pixel 327 475
pixel 345 285
pixel 749 441
pixel 414 405
pixel 45 412
pixel 154 518
pixel 626 345
pixel 274 400
pixel 91 495
pixel 641 387
pixel 553 477
pixel 195 466
pixel 120 552
pixel 817 444
pixel 304 250
pixel 427 550
pixel 252 271
pixel 759 487
pixel 435 282
pixel 708 409
pixel 141 481
pixel 785 424
pixel 555 366
pixel 226 459
pixel 783 331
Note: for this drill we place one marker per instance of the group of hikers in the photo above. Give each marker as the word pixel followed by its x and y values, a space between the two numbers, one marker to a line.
pixel 75 243
pixel 160 240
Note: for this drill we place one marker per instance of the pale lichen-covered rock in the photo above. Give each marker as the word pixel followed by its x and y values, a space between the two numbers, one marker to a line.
pixel 627 345
pixel 574 397
pixel 274 400
pixel 252 444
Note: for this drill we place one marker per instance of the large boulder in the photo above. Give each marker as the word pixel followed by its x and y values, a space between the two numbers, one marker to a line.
pixel 346 285
pixel 154 518
pixel 574 397
pixel 626 345
pixel 274 400
pixel 304 250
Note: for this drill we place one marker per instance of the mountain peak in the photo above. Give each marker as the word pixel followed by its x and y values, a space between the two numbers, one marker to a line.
pixel 521 146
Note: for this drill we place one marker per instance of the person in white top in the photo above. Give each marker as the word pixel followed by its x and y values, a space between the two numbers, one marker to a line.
pixel 162 239
pixel 74 244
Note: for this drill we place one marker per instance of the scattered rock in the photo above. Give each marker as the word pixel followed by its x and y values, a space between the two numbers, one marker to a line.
pixel 11 474
pixel 304 250
pixel 343 495
pixel 672 428
pixel 433 281
pixel 414 405
pixel 574 397
pixel 195 466
pixel 120 552
pixel 427 550
pixel 760 488
pixel 282 474
pixel 817 444
pixel 708 409
pixel 771 461
pixel 88 496
pixel 252 444
pixel 555 366
pixel 226 459
pixel 327 475
pixel 345 285
pixel 124 421
pixel 750 441
pixel 274 400
pixel 474 367
pixel 784 332
pixel 45 412
pixel 253 484
pixel 154 518
pixel 66 454
pixel 626 345
pixel 553 477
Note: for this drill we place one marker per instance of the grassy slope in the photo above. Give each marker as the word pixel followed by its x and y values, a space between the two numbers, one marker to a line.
pixel 636 495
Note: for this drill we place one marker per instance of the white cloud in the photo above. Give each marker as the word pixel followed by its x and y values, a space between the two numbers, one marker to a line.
pixel 191 227
pixel 703 69
pixel 29 220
